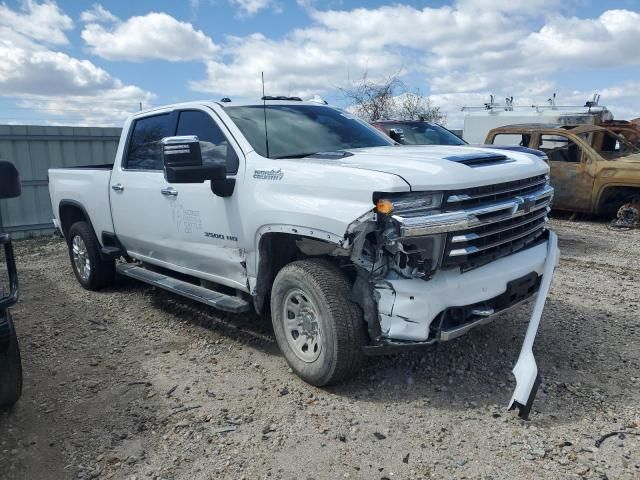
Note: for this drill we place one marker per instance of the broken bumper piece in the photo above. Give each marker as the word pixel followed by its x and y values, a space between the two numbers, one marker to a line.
pixel 526 371
pixel 414 313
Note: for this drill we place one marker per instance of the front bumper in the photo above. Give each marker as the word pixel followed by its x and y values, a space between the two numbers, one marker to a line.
pixel 409 308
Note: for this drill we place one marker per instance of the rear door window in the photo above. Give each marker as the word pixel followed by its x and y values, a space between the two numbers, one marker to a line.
pixel 145 151
pixel 216 149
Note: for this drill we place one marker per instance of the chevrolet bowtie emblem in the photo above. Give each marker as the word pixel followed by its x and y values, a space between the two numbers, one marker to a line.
pixel 524 204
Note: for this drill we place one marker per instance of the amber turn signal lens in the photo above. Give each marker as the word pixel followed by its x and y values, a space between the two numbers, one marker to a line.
pixel 384 206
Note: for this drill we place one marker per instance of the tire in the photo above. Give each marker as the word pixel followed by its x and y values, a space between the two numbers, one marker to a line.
pixel 10 364
pixel 100 272
pixel 310 307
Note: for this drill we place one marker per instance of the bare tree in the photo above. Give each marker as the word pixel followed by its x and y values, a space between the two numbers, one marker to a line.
pixel 415 106
pixel 388 99
pixel 372 101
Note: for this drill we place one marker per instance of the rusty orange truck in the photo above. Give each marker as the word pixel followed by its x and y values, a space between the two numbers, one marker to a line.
pixel 593 169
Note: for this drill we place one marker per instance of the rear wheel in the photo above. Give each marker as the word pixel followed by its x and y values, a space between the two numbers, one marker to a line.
pixel 319 330
pixel 90 269
pixel 10 364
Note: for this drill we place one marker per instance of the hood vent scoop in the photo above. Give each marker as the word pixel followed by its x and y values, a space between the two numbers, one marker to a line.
pixel 479 159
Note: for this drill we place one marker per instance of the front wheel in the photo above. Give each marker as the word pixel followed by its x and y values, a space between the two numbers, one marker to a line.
pixel 10 363
pixel 90 269
pixel 319 330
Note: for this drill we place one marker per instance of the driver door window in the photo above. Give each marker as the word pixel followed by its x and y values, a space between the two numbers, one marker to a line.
pixel 216 149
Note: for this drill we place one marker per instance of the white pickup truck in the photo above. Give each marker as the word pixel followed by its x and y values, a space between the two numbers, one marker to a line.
pixel 355 245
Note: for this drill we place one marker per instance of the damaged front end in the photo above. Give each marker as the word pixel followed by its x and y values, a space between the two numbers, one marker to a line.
pixel 432 265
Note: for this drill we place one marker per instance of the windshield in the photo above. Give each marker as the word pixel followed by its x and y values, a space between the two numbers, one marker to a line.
pixel 423 133
pixel 301 130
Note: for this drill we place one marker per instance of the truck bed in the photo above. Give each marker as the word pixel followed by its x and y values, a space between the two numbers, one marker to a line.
pixel 104 166
pixel 86 186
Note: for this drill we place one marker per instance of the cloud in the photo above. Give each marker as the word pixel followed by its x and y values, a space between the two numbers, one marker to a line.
pixel 348 43
pixel 54 83
pixel 295 66
pixel 251 7
pixel 108 108
pixel 153 36
pixel 462 52
pixel 519 7
pixel 43 22
pixel 98 14
pixel 607 41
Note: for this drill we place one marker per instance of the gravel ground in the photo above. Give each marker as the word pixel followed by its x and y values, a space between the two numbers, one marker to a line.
pixel 136 383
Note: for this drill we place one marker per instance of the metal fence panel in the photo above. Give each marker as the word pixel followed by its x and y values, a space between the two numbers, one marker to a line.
pixel 33 149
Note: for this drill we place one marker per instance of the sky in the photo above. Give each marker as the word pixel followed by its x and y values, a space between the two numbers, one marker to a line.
pixel 83 63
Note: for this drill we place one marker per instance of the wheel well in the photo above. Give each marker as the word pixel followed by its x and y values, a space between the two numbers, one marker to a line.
pixel 275 251
pixel 613 198
pixel 71 213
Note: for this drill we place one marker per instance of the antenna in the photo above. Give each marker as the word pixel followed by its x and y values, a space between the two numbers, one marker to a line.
pixel 264 109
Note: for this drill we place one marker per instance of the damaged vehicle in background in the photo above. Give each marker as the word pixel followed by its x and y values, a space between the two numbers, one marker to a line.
pixel 593 170
pixel 628 130
pixel 355 245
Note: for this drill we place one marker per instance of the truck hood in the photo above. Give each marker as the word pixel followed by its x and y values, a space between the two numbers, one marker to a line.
pixel 439 167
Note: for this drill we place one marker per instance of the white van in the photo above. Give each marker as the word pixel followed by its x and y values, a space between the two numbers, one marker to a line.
pixel 479 120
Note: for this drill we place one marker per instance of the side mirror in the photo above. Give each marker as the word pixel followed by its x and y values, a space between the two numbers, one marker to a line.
pixel 397 134
pixel 182 161
pixel 9 181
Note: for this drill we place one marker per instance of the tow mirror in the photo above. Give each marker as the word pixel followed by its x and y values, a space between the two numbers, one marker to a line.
pixel 9 181
pixel 397 134
pixel 182 161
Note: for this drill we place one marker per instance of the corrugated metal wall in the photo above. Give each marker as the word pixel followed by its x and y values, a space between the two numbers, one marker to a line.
pixel 35 149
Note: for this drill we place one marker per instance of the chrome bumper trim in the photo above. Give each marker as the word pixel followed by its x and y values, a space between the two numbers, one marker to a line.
pixel 471 217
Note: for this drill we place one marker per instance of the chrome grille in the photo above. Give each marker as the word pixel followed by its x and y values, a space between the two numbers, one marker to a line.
pixel 460 199
pixel 508 217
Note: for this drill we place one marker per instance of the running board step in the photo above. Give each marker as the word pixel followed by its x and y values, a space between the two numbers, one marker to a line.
pixel 209 297
pixel 111 252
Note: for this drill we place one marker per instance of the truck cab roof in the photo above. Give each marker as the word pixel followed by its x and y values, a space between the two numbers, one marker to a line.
pixel 280 100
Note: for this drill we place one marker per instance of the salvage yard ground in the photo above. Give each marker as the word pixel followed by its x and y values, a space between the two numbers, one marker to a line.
pixel 136 383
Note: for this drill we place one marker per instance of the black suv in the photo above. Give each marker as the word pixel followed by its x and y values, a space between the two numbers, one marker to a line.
pixel 417 132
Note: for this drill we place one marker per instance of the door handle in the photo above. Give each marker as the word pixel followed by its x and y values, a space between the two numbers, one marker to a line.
pixel 169 192
pixel 118 187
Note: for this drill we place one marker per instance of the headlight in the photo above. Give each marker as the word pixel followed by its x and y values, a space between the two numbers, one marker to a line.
pixel 413 202
pixel 416 257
